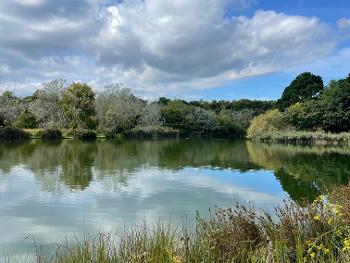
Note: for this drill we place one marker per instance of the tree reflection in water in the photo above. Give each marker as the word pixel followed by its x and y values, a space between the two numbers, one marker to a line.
pixel 303 171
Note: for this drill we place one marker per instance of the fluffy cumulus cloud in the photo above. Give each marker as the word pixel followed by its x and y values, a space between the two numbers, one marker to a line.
pixel 161 46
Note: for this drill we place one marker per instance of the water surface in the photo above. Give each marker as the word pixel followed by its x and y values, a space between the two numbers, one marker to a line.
pixel 50 190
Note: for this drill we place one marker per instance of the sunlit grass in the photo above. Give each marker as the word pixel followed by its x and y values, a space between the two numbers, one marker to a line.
pixel 316 232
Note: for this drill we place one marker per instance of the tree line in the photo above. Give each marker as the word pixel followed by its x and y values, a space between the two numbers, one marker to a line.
pixel 115 110
pixel 306 104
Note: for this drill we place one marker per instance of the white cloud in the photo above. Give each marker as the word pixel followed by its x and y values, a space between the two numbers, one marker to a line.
pixel 344 23
pixel 155 45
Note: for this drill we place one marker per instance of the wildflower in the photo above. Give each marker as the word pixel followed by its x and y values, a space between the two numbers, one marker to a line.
pixel 346 244
pixel 312 255
pixel 330 221
pixel 317 217
pixel 326 251
pixel 318 200
pixel 336 210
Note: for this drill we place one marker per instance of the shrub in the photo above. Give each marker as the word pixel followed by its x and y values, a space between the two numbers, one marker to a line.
pixel 84 134
pixel 224 129
pixel 50 134
pixel 155 132
pixel 26 120
pixel 268 122
pixel 11 133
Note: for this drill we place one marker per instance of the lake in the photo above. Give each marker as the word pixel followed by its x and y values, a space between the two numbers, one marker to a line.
pixel 53 190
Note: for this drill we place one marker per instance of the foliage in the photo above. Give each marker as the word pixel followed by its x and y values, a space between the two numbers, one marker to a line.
pixel 196 121
pixel 117 110
pixel 47 105
pixel 11 133
pixel 84 134
pixel 174 114
pixel 335 103
pixel 2 121
pixel 330 112
pixel 26 120
pixel 50 134
pixel 150 115
pixel 317 232
pixel 305 116
pixel 271 121
pixel 151 132
pixel 10 108
pixel 226 129
pixel 304 87
pixel 304 137
pixel 78 106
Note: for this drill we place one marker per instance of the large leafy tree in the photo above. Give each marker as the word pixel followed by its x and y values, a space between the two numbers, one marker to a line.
pixel 78 105
pixel 330 112
pixel 335 103
pixel 304 87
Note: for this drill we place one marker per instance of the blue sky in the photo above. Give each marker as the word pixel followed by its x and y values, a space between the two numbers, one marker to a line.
pixel 191 49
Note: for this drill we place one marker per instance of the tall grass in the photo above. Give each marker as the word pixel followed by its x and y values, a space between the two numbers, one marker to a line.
pixel 304 137
pixel 316 232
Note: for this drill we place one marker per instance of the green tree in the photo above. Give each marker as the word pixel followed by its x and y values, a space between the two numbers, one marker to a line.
pixel 26 120
pixel 330 112
pixel 78 106
pixel 306 116
pixel 304 87
pixel 174 114
pixel 335 104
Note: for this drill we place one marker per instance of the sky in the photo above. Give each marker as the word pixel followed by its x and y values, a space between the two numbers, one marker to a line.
pixel 188 49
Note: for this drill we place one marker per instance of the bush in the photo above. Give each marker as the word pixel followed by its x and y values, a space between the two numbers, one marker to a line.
pixel 84 134
pixel 270 121
pixel 10 133
pixel 26 120
pixel 50 134
pixel 226 130
pixel 156 132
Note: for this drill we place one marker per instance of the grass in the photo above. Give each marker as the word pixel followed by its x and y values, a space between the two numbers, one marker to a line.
pixel 316 232
pixel 305 137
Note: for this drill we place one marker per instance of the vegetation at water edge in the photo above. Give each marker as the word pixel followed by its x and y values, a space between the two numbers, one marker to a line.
pixel 316 232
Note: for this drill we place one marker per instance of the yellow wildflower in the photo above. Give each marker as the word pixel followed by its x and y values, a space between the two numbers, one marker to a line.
pixel 346 244
pixel 312 255
pixel 317 217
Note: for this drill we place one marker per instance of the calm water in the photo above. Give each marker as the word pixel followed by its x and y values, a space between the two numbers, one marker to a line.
pixel 54 190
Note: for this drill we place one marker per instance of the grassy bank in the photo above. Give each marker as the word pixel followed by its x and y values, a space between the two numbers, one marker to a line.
pixel 316 232
pixel 304 137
